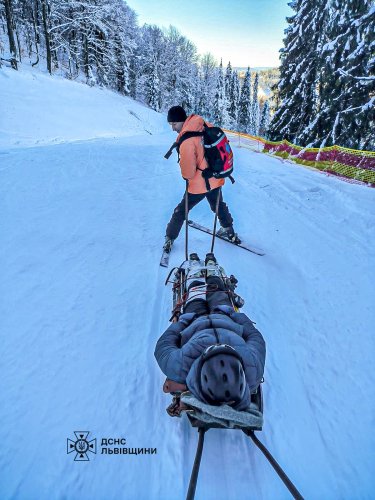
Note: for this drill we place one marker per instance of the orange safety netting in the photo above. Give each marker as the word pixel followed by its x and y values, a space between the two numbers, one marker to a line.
pixel 350 164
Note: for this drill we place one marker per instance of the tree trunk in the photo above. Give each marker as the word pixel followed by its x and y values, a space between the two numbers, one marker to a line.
pixel 46 36
pixel 86 58
pixel 19 46
pixel 12 44
pixel 34 16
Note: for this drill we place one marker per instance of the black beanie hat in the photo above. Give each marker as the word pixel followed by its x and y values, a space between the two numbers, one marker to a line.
pixel 176 114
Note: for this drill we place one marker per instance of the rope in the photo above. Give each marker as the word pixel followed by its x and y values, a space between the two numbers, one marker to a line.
pixel 249 432
pixel 288 483
pixel 186 221
pixel 215 220
pixel 194 473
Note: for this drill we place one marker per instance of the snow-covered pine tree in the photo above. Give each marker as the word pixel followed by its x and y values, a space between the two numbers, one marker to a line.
pixel 255 110
pixel 179 72
pixel 153 98
pixel 124 34
pixel 365 57
pixel 234 101
pixel 264 119
pixel 228 79
pixel 347 91
pixel 220 114
pixel 228 93
pixel 151 50
pixel 188 88
pixel 197 90
pixel 244 108
pixel 208 77
pixel 299 71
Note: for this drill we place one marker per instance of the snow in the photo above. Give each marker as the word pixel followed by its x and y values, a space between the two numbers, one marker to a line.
pixel 84 301
pixel 72 112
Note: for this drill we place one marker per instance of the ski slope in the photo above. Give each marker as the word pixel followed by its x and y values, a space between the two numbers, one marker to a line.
pixel 83 212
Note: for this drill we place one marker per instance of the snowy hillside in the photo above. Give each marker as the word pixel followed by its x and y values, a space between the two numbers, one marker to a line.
pixel 33 115
pixel 83 302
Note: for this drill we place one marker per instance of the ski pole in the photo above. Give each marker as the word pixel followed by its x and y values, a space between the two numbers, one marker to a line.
pixel 186 221
pixel 215 221
pixel 279 471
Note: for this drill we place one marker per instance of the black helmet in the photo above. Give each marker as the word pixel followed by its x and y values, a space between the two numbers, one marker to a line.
pixel 221 376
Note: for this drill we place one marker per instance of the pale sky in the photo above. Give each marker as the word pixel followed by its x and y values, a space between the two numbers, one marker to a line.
pixel 246 32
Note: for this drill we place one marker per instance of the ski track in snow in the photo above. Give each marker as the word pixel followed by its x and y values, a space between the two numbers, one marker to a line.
pixel 84 302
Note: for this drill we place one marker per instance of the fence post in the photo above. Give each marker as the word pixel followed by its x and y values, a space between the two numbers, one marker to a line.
pixel 333 157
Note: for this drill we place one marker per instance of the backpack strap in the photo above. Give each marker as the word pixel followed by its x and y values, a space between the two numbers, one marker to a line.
pixel 187 135
pixel 170 150
pixel 177 144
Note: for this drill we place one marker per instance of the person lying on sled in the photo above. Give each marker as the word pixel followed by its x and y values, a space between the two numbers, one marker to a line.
pixel 213 351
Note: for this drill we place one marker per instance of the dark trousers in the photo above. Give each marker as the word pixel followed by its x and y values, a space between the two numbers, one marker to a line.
pixel 175 224
pixel 216 296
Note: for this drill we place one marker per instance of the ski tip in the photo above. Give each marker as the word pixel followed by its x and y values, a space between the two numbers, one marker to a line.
pixel 164 261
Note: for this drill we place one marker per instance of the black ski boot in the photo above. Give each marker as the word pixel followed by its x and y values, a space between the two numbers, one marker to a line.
pixel 210 257
pixel 193 256
pixel 212 267
pixel 195 267
pixel 167 247
pixel 229 234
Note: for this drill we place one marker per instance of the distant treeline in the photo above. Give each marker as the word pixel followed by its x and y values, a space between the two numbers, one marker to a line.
pixel 323 94
pixel 100 41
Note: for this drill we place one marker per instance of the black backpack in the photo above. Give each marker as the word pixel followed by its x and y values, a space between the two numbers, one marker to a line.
pixel 217 151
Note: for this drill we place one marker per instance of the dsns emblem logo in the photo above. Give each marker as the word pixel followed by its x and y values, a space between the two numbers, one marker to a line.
pixel 81 446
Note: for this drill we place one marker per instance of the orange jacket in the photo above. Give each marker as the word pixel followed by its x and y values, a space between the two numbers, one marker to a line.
pixel 192 157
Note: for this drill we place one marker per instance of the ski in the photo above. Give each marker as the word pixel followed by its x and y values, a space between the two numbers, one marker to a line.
pixel 164 261
pixel 251 249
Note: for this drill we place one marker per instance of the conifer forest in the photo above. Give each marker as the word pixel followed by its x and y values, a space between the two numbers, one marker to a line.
pixel 325 93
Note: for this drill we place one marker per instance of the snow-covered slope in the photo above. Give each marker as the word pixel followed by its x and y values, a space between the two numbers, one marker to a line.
pixel 83 302
pixel 30 114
